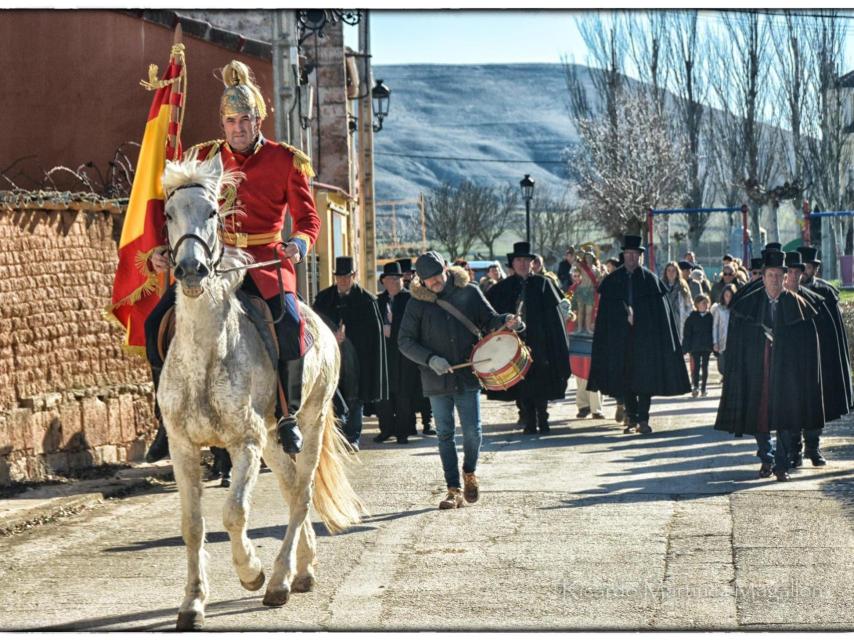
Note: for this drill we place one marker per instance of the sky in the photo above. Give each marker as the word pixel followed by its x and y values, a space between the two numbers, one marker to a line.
pixel 490 36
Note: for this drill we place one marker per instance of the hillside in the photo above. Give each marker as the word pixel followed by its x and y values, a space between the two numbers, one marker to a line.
pixel 512 113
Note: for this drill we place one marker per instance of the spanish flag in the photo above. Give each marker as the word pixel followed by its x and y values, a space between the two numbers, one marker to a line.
pixel 136 286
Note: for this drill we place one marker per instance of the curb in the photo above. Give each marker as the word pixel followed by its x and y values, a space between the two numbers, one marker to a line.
pixel 49 505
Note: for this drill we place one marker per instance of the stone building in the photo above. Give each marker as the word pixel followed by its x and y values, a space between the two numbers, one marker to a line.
pixel 69 396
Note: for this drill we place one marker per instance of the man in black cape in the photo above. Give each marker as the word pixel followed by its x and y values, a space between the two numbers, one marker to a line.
pixel 773 378
pixel 396 414
pixel 835 365
pixel 636 351
pixel 353 314
pixel 545 336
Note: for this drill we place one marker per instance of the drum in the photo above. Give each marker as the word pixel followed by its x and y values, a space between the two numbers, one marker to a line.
pixel 500 360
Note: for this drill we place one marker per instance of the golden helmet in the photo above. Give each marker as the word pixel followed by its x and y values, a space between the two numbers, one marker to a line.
pixel 241 94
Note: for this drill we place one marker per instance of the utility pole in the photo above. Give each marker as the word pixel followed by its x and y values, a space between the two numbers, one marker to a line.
pixel 366 161
pixel 285 95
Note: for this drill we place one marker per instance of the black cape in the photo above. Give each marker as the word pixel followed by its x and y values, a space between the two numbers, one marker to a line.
pixel 646 358
pixel 404 377
pixel 545 335
pixel 794 386
pixel 831 302
pixel 363 327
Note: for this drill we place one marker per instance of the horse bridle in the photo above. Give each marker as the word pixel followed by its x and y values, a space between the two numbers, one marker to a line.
pixel 173 250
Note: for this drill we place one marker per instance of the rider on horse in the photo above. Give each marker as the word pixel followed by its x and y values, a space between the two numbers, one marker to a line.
pixel 275 184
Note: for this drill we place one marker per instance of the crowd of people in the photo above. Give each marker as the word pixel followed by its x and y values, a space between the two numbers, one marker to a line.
pixel 775 329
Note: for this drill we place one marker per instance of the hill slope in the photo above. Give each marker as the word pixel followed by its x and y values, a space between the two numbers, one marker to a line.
pixel 498 112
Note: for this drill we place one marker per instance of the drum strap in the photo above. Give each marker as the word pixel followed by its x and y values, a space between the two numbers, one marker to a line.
pixel 447 306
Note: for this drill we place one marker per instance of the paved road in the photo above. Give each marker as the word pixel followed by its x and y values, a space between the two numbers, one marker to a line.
pixel 586 528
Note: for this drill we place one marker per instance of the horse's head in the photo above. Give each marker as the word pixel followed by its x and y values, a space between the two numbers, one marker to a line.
pixel 192 191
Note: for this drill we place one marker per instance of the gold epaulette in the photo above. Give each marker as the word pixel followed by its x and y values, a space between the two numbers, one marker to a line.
pixel 216 144
pixel 302 162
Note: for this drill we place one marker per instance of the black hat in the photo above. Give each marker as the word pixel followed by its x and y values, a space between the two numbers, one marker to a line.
pixel 727 256
pixel 429 264
pixel 520 250
pixel 773 245
pixel 793 260
pixel 684 264
pixel 391 269
pixel 632 243
pixel 809 255
pixel 774 259
pixel 344 266
pixel 756 263
pixel 405 265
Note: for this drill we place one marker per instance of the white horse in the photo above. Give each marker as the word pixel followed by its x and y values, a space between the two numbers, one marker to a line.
pixel 218 388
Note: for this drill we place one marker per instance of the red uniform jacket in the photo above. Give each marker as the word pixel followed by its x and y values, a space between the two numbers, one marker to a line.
pixel 275 184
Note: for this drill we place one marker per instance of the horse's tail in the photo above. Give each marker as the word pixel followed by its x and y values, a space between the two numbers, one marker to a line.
pixel 334 498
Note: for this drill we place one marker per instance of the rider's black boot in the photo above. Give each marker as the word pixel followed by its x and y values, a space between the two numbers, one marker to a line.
pixel 159 449
pixel 289 433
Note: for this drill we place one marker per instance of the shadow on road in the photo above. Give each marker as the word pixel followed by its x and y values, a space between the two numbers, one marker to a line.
pixel 276 533
pixel 164 618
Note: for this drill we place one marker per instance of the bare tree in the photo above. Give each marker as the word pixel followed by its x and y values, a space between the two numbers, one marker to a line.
pixel 691 86
pixel 496 212
pixel 742 56
pixel 621 176
pixel 452 218
pixel 553 217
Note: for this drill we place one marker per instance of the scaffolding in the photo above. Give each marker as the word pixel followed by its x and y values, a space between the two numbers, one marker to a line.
pixel 401 227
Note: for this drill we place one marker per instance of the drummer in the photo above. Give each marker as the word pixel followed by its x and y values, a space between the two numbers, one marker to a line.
pixel 438 339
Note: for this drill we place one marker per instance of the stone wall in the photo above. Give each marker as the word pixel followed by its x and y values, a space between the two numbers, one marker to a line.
pixel 69 396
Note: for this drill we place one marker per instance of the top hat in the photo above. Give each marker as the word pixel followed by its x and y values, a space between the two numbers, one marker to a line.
pixel 391 269
pixel 520 250
pixel 793 260
pixel 344 266
pixel 809 255
pixel 756 263
pixel 405 265
pixel 684 264
pixel 771 246
pixel 774 259
pixel 632 243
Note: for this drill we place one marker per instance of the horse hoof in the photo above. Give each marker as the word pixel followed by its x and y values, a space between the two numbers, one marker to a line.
pixel 190 621
pixel 276 597
pixel 304 584
pixel 256 584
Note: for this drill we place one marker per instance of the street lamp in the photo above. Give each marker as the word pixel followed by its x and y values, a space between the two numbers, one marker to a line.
pixel 527 184
pixel 380 97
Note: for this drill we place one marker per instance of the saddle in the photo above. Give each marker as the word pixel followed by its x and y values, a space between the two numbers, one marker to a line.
pixel 254 307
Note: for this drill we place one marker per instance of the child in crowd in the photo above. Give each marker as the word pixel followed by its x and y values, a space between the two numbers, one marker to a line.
pixel 698 341
pixel 720 315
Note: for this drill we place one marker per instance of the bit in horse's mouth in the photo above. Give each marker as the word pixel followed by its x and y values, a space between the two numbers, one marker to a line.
pixel 192 292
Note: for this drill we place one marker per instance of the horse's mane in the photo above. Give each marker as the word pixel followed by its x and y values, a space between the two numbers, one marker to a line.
pixel 206 174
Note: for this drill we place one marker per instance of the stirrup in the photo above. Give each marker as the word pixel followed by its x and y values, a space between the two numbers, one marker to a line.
pixel 289 434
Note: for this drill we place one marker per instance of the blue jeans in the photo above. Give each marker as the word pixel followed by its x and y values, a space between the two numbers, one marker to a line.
pixel 353 425
pixel 468 408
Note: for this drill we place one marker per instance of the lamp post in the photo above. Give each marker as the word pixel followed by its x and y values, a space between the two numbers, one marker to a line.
pixel 527 184
pixel 380 97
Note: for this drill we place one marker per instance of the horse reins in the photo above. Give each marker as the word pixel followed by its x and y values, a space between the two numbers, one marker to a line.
pixel 215 270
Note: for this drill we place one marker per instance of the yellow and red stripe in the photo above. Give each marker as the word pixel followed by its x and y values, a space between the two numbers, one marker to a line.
pixel 135 286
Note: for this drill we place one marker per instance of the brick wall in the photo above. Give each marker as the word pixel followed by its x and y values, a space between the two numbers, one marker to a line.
pixel 69 396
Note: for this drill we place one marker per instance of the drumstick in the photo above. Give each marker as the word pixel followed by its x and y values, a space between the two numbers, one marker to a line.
pixel 468 364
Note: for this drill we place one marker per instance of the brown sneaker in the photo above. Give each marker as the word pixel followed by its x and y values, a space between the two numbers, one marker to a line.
pixel 471 487
pixel 644 427
pixel 453 500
